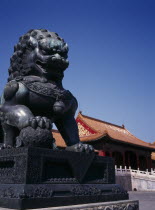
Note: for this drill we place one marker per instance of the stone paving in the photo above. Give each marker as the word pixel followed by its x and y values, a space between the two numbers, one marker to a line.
pixel 146 199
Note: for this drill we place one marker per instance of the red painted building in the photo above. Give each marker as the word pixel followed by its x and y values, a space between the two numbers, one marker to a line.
pixel 112 140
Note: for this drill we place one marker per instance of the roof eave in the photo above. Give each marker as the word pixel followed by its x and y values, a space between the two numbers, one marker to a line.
pixel 121 142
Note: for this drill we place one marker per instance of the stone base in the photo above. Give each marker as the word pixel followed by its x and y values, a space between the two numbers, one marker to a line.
pixel 18 196
pixel 39 178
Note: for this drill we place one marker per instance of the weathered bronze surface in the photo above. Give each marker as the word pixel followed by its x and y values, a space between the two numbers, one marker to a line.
pixel 34 96
pixel 33 173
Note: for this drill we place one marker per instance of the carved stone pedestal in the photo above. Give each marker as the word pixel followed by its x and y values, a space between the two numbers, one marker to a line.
pixel 39 178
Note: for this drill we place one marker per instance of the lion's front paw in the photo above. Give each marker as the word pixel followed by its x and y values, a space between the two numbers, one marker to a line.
pixel 81 148
pixel 42 122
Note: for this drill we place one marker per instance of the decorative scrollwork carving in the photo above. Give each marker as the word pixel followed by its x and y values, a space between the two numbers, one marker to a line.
pixel 85 190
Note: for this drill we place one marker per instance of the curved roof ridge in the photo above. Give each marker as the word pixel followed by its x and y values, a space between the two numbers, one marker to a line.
pixel 137 137
pixel 124 136
pixel 103 129
pixel 92 118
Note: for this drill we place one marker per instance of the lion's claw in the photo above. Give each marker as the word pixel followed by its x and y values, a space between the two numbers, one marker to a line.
pixel 33 123
pixel 81 148
pixel 41 122
pixel 38 118
pixel 47 123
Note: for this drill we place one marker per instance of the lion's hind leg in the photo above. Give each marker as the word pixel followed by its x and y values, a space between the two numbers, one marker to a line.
pixel 9 135
pixel 13 119
pixel 22 128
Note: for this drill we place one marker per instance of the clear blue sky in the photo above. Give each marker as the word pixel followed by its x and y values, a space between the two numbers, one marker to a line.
pixel 112 54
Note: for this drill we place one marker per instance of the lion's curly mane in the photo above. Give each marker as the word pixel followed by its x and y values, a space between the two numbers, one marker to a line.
pixel 17 66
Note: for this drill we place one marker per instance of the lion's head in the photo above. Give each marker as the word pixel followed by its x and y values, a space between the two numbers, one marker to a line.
pixel 39 53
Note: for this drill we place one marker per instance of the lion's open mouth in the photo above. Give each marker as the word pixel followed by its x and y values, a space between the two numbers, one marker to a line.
pixel 58 65
pixel 41 66
pixel 54 68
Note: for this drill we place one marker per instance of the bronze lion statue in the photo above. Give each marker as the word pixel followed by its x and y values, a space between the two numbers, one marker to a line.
pixel 34 96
